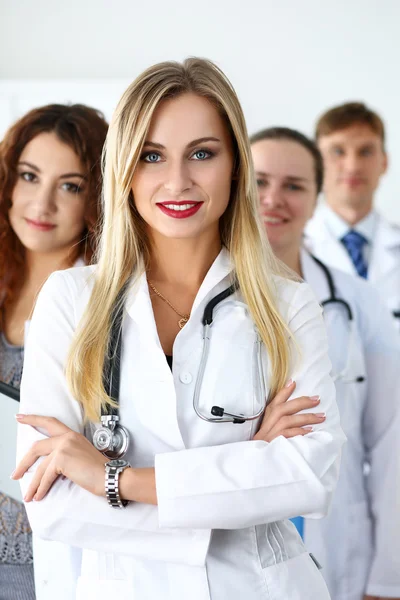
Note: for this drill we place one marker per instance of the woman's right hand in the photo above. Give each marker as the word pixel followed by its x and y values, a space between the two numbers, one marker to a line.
pixel 281 417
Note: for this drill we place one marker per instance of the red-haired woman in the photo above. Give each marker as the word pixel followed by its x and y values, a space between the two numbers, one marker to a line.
pixel 50 176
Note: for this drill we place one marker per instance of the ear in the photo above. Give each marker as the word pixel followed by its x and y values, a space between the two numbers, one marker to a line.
pixel 385 163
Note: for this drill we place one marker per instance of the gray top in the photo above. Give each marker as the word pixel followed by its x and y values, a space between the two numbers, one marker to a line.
pixel 11 361
pixel 15 532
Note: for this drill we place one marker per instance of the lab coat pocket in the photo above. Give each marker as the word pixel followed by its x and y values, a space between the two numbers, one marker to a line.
pixel 297 578
pixel 359 530
pixel 90 588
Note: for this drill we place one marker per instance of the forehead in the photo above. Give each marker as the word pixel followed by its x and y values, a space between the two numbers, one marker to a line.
pixel 283 158
pixel 48 152
pixel 178 121
pixel 353 136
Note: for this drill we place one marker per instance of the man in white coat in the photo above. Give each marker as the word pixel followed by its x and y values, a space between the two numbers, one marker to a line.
pixel 357 544
pixel 346 231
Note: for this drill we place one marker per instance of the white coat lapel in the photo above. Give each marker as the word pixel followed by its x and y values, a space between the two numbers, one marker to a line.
pixel 140 309
pixel 219 270
pixel 385 256
pixel 319 240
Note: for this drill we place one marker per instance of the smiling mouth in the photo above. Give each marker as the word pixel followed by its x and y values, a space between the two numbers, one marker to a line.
pixel 274 220
pixel 40 226
pixel 179 210
pixel 353 182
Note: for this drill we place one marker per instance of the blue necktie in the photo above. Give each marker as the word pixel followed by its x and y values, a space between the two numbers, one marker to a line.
pixel 354 243
pixel 298 522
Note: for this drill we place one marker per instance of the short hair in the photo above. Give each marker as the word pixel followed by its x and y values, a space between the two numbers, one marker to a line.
pixel 346 115
pixel 292 135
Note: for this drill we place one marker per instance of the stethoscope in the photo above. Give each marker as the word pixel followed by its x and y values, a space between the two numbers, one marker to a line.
pixel 333 299
pixel 112 439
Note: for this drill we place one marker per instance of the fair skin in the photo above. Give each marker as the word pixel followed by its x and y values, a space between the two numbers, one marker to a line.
pixel 47 215
pixel 354 162
pixel 182 251
pixel 287 190
pixel 288 193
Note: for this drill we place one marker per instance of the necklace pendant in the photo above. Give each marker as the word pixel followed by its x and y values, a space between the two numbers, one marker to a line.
pixel 182 322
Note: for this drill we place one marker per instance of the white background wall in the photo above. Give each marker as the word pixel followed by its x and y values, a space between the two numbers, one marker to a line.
pixel 288 59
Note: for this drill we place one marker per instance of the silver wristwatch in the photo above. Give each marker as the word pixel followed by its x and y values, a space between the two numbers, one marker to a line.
pixel 113 470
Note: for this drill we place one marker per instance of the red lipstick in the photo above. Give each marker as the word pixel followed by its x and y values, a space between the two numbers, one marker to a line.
pixel 180 210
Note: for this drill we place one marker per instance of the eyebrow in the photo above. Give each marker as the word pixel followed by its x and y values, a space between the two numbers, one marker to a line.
pixel 290 177
pixel 64 176
pixel 189 145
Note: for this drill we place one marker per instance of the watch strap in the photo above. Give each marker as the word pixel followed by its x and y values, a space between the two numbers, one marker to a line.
pixel 112 485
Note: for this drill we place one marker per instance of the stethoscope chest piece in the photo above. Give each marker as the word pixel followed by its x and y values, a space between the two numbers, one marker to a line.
pixel 112 439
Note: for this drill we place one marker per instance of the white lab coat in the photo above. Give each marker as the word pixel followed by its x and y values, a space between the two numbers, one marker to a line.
pixel 49 555
pixel 220 529
pixel 383 263
pixel 358 543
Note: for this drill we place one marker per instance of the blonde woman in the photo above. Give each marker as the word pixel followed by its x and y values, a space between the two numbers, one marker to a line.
pixel 201 506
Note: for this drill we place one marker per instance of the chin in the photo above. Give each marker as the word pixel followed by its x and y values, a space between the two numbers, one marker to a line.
pixel 179 231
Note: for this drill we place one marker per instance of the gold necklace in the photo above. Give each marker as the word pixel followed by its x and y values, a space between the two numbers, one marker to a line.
pixel 184 318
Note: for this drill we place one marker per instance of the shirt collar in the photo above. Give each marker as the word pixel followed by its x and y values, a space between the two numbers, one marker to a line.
pixel 339 227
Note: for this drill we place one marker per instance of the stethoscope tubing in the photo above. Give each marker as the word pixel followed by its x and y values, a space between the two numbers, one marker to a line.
pixel 333 299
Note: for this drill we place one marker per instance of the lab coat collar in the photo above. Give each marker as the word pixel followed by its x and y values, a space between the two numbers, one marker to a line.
pixel 79 262
pixel 387 234
pixel 316 226
pixel 320 240
pixel 339 227
pixel 385 250
pixel 138 304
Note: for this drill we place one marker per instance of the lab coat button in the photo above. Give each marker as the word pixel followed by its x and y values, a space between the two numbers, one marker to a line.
pixel 185 377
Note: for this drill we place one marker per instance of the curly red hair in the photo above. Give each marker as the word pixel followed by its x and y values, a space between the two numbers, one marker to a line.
pixel 84 129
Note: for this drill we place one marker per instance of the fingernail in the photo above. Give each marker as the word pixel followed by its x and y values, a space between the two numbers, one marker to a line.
pixel 289 383
pixel 309 428
pixel 19 417
pixel 320 415
pixel 315 398
pixel 11 476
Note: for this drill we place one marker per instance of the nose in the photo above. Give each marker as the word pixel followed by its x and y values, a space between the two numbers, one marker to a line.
pixel 352 163
pixel 44 200
pixel 271 197
pixel 178 178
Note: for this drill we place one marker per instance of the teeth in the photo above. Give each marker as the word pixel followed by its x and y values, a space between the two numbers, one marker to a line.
pixel 273 220
pixel 179 206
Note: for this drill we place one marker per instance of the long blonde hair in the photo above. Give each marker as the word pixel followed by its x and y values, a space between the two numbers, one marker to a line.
pixel 124 247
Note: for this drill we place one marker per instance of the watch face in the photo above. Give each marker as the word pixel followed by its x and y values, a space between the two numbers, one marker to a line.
pixel 117 463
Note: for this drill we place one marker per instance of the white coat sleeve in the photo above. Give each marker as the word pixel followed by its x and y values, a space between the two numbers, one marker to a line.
pixel 252 482
pixel 68 513
pixel 382 444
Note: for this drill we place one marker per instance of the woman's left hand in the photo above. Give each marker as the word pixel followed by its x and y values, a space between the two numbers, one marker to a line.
pixel 66 453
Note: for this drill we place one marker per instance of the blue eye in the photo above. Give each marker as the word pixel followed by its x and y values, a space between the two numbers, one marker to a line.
pixel 151 157
pixel 202 154
pixel 337 151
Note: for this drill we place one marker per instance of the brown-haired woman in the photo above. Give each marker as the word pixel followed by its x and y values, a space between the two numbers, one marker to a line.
pixel 50 175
